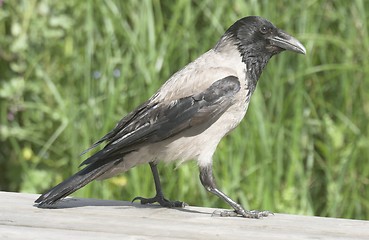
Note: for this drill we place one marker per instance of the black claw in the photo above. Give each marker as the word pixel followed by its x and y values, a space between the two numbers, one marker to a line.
pixel 142 200
pixel 161 200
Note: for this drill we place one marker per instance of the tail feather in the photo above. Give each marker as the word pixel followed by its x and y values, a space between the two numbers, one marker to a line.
pixel 75 182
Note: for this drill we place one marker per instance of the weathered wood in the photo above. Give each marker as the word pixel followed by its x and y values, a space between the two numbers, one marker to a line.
pixel 101 219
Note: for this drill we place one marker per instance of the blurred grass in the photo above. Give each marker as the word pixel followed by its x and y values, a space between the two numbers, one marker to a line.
pixel 69 70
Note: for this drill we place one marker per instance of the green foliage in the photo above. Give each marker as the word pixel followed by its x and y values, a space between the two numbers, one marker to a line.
pixel 69 70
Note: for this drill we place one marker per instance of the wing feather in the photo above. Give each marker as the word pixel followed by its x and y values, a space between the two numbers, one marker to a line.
pixel 154 122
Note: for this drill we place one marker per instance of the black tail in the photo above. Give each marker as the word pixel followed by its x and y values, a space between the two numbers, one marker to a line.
pixel 75 182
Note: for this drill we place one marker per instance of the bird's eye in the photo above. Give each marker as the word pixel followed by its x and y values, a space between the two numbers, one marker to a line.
pixel 263 29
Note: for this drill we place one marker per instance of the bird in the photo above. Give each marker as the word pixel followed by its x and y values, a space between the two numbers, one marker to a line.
pixel 188 116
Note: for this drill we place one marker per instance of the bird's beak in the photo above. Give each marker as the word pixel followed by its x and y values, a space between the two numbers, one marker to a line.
pixel 287 42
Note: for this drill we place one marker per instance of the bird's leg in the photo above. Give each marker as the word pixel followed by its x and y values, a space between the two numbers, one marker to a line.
pixel 207 180
pixel 159 197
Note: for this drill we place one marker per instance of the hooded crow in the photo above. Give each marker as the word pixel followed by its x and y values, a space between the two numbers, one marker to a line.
pixel 189 115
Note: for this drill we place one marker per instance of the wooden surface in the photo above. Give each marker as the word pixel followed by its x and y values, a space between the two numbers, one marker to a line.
pixel 101 219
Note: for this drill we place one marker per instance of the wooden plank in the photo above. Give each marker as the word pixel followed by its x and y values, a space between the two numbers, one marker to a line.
pixel 100 219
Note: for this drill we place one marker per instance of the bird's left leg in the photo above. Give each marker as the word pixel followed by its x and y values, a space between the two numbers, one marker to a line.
pixel 207 180
pixel 159 197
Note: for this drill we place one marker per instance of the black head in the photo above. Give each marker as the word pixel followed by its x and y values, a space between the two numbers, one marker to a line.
pixel 257 36
pixel 258 40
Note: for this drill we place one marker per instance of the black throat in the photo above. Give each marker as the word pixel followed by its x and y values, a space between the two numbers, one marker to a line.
pixel 254 56
pixel 255 62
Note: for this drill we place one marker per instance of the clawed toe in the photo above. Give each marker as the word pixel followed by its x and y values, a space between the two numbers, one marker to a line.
pixel 143 200
pixel 244 213
pixel 258 214
pixel 162 201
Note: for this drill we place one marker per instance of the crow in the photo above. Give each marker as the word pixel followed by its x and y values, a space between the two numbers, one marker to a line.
pixel 189 115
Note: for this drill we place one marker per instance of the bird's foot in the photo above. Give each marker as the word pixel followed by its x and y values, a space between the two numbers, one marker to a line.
pixel 242 213
pixel 162 201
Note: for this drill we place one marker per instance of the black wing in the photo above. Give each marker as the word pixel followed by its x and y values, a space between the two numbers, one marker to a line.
pixel 154 122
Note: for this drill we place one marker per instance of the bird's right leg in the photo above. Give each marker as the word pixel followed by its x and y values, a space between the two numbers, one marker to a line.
pixel 207 180
pixel 159 197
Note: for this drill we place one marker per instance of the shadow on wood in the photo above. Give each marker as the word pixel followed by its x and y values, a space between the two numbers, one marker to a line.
pixel 71 202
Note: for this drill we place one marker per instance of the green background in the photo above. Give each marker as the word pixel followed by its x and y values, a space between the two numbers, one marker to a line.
pixel 69 70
